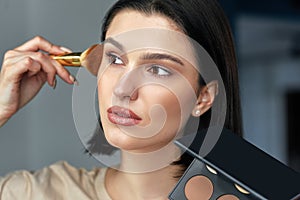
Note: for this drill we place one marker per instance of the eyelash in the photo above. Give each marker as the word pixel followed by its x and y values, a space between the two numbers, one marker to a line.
pixel 151 69
pixel 112 58
pixel 157 68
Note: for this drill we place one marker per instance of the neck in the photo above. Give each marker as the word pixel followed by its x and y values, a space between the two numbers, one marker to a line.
pixel 154 185
pixel 133 162
pixel 144 176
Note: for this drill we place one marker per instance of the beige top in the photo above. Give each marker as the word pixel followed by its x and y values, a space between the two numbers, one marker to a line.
pixel 58 181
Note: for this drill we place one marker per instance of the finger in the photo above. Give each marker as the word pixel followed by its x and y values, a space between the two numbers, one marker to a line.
pixel 51 67
pixel 45 62
pixel 34 68
pixel 46 65
pixel 25 64
pixel 40 43
pixel 62 72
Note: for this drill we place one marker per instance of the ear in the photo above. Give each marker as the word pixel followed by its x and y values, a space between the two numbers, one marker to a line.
pixel 206 98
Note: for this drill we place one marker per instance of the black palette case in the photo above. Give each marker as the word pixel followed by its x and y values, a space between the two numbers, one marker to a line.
pixel 236 169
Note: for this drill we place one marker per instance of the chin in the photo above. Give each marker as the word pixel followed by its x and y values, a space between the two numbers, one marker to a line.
pixel 121 140
pixel 128 143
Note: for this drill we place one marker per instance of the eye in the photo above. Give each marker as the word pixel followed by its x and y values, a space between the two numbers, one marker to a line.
pixel 114 59
pixel 159 71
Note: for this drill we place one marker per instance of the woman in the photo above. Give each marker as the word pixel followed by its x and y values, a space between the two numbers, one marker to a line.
pixel 125 104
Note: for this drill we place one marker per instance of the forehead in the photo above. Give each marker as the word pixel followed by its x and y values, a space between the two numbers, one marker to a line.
pixel 128 20
pixel 132 30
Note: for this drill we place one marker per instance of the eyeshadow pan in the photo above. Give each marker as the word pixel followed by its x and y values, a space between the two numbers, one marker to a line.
pixel 198 187
pixel 228 197
pixel 211 170
pixel 242 190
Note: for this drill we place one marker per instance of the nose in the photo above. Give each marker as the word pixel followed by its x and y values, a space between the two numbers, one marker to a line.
pixel 127 87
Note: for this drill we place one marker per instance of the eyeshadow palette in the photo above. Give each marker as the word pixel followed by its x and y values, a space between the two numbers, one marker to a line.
pixel 234 169
pixel 202 183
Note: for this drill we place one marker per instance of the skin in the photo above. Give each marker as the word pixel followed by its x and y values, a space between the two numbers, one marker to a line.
pixel 25 70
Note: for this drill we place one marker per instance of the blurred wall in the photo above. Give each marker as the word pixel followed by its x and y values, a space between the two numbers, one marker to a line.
pixel 268 70
pixel 267 36
pixel 44 132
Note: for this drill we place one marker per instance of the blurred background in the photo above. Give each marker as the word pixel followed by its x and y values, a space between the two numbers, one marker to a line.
pixel 267 36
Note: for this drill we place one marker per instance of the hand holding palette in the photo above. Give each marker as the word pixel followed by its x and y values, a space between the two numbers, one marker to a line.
pixel 234 169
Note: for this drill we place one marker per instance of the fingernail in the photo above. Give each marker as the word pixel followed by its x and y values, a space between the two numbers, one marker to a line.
pixel 54 84
pixel 74 80
pixel 65 49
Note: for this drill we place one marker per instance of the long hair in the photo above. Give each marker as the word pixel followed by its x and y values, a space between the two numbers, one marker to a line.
pixel 205 22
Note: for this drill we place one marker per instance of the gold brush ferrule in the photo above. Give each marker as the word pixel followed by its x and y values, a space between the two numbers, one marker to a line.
pixel 70 59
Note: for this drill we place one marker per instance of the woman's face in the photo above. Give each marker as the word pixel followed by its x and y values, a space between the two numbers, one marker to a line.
pixel 134 94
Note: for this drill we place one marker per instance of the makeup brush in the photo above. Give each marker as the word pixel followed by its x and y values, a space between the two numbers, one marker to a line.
pixel 90 58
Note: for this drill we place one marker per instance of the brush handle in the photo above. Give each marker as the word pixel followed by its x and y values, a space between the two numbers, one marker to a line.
pixel 70 59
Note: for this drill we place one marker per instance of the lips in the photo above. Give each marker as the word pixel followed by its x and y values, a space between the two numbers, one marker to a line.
pixel 122 116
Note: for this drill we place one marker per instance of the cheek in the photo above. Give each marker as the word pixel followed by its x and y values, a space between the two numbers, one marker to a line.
pixel 178 110
pixel 106 84
pixel 105 91
pixel 167 101
pixel 173 108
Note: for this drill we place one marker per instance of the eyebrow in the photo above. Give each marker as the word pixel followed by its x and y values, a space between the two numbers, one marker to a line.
pixel 115 43
pixel 161 56
pixel 147 56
